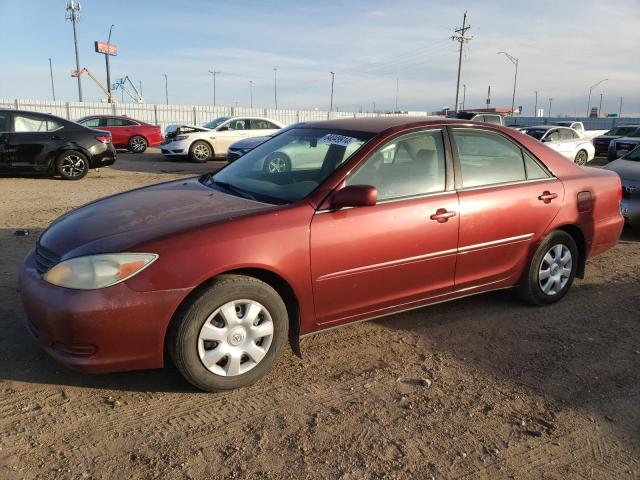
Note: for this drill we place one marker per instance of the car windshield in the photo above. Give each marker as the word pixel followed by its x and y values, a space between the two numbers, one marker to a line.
pixel 289 166
pixel 536 133
pixel 633 155
pixel 216 123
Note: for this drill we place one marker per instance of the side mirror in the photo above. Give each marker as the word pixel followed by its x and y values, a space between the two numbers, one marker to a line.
pixel 355 196
pixel 222 129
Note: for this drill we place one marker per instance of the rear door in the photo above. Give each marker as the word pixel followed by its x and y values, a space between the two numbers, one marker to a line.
pixel 120 128
pixel 367 260
pixel 507 200
pixel 261 126
pixel 34 141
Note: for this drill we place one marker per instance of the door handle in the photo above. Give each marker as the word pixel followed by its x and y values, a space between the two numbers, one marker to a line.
pixel 442 215
pixel 547 196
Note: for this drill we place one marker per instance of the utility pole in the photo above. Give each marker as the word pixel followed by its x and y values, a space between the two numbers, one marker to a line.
pixel 73 14
pixel 166 89
pixel 590 89
pixel 549 113
pixel 140 85
pixel 251 93
pixel 535 108
pixel 620 109
pixel 464 94
pixel 488 96
pixel 106 59
pixel 460 38
pixel 374 107
pixel 214 73
pixel 513 60
pixel 275 87
pixel 397 81
pixel 333 77
pixel 53 88
pixel 600 107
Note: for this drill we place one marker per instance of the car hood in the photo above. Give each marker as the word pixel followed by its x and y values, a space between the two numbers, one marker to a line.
pixel 125 220
pixel 627 169
pixel 250 142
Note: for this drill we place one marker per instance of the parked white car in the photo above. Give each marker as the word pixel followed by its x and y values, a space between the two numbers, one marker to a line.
pixel 565 141
pixel 579 127
pixel 213 139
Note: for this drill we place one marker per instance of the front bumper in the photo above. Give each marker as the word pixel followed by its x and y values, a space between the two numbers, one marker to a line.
pixel 97 331
pixel 175 148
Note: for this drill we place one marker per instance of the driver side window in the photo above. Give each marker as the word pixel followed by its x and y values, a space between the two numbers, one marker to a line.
pixel 239 124
pixel 409 165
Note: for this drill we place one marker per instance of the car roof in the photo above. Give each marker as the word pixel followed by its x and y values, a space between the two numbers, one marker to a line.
pixel 378 124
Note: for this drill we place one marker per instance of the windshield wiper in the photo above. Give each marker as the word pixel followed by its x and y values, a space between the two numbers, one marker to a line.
pixel 231 188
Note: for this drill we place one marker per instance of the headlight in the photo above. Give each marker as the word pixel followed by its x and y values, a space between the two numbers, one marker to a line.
pixel 98 271
pixel 181 137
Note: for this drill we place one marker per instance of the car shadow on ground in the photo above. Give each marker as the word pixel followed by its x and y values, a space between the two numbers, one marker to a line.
pixel 152 162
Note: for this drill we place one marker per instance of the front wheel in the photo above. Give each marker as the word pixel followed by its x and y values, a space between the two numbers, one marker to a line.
pixel 581 157
pixel 200 152
pixel 230 335
pixel 72 165
pixel 137 144
pixel 551 271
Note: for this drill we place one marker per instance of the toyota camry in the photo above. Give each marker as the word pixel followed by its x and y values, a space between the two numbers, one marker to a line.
pixel 371 217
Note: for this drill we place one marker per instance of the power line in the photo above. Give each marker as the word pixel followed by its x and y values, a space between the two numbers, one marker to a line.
pixel 462 39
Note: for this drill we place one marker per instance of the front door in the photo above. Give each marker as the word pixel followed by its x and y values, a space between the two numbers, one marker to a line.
pixel 238 128
pixel 369 260
pixel 507 200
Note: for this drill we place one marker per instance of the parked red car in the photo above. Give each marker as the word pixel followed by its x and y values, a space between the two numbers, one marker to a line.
pixel 134 135
pixel 371 217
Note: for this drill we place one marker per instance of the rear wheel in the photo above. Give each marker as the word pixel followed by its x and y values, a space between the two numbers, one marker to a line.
pixel 200 152
pixel 230 335
pixel 551 271
pixel 137 144
pixel 581 157
pixel 277 162
pixel 72 165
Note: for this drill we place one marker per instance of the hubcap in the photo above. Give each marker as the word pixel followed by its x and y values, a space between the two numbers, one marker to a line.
pixel 201 152
pixel 73 165
pixel 277 165
pixel 581 158
pixel 555 269
pixel 235 338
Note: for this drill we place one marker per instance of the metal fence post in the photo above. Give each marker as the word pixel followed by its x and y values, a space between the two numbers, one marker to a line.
pixel 16 103
pixel 195 120
pixel 68 110
pixel 114 109
pixel 155 113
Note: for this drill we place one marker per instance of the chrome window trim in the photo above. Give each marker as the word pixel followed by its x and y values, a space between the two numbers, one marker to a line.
pixel 391 200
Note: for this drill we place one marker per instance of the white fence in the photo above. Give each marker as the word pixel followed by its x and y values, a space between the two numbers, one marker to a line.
pixel 163 115
pixel 602 123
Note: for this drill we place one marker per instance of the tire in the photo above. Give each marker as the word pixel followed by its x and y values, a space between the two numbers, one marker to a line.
pixel 536 289
pixel 236 356
pixel 277 162
pixel 72 165
pixel 200 152
pixel 582 157
pixel 137 144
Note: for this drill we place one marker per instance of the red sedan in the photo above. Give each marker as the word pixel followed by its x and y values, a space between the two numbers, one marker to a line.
pixel 369 218
pixel 134 135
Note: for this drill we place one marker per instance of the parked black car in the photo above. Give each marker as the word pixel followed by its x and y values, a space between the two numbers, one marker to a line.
pixel 601 143
pixel 238 149
pixel 37 142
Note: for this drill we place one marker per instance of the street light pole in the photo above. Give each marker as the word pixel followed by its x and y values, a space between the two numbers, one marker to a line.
pixel 251 93
pixel 166 89
pixel 275 87
pixel 106 58
pixel 53 88
pixel 535 108
pixel 397 85
pixel 590 89
pixel 513 60
pixel 333 76
pixel 464 95
pixel 73 9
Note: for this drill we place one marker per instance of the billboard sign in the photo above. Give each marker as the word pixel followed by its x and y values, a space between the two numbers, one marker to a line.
pixel 106 48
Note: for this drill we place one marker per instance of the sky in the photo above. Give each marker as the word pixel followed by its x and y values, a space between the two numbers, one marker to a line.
pixel 563 48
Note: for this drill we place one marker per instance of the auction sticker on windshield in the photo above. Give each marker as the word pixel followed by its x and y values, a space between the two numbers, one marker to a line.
pixel 333 139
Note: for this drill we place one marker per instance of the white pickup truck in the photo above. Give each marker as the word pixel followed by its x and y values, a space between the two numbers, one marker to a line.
pixel 579 127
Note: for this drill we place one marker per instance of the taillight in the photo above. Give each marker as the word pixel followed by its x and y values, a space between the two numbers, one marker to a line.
pixel 104 138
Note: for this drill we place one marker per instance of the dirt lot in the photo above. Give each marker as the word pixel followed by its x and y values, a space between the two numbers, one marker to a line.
pixel 484 387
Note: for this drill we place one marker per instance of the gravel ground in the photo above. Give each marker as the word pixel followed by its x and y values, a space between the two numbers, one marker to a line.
pixel 484 387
